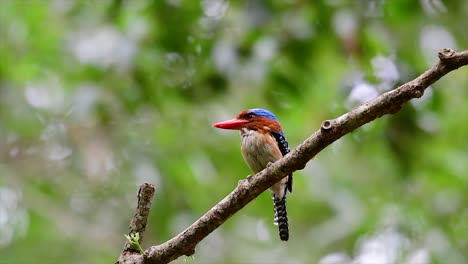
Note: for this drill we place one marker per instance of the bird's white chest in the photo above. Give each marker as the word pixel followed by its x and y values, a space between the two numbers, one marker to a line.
pixel 258 149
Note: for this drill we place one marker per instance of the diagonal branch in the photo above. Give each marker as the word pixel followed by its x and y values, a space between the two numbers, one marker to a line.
pixel 330 131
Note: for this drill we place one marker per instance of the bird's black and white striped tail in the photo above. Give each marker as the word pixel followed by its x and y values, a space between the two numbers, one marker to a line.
pixel 281 217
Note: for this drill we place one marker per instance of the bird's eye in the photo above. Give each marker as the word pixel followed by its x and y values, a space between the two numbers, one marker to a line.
pixel 250 116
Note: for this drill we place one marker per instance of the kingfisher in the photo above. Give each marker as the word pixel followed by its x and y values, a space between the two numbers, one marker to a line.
pixel 263 142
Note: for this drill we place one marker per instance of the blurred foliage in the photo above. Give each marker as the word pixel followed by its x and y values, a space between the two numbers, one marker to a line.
pixel 97 97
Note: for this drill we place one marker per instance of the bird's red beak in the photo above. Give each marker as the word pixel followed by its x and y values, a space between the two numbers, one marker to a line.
pixel 231 124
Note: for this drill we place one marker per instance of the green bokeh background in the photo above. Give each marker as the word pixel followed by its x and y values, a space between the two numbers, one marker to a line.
pixel 97 97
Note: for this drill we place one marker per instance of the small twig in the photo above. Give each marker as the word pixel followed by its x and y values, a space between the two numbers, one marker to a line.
pixel 132 248
pixel 330 131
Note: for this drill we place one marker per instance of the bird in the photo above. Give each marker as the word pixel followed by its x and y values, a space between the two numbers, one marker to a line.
pixel 263 142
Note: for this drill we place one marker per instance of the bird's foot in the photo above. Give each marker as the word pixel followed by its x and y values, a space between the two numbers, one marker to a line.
pixel 249 177
pixel 243 182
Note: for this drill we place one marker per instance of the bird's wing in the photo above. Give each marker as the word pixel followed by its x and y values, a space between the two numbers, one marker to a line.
pixel 284 148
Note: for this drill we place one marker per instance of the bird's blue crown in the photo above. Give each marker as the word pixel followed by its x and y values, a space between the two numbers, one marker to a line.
pixel 263 112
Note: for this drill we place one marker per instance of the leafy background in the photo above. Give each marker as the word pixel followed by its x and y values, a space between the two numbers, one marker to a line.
pixel 97 97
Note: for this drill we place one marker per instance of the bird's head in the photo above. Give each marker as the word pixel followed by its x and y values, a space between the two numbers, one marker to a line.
pixel 252 119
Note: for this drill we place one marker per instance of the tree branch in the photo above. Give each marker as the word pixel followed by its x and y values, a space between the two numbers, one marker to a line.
pixel 330 131
pixel 138 223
